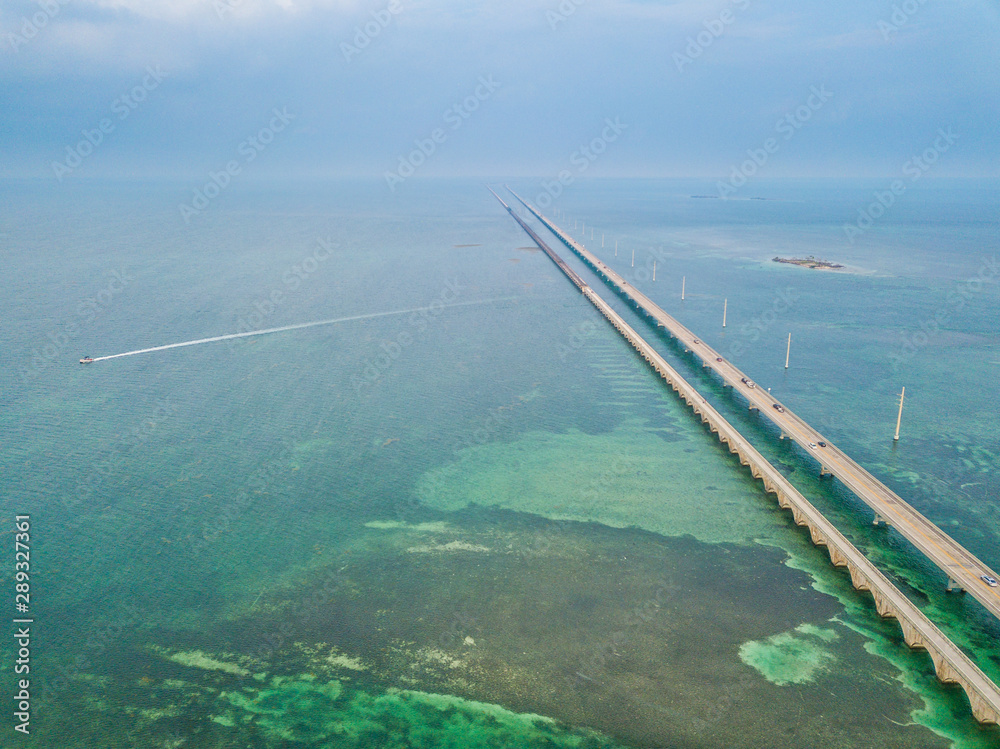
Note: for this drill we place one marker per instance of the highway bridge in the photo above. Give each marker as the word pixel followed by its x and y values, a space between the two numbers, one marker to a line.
pixel 963 569
pixel 950 664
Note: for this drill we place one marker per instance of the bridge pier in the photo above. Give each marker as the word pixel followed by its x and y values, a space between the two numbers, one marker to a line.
pixel 951 664
pixel 879 519
pixel 823 471
pixel 953 586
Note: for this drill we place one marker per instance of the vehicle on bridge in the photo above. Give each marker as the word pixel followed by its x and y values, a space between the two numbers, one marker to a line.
pixel 988 580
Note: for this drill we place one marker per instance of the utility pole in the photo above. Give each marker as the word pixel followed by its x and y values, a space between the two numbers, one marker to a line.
pixel 725 306
pixel 788 352
pixel 616 248
pixel 602 239
pixel 654 270
pixel 900 417
pixel 683 281
pixel 633 257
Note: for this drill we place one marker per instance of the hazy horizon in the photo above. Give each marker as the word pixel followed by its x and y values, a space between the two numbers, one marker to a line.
pixel 332 88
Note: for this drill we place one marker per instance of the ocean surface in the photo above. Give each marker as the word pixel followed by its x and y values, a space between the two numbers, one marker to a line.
pixel 469 515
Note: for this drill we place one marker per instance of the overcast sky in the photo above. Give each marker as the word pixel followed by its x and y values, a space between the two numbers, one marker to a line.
pixel 512 88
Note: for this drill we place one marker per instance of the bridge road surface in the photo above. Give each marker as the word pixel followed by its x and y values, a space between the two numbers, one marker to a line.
pixel 959 564
pixel 951 665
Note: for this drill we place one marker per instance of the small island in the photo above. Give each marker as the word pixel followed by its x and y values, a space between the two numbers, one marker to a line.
pixel 809 262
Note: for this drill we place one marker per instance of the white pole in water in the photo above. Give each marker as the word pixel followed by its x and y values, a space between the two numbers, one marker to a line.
pixel 683 281
pixel 788 353
pixel 633 257
pixel 602 239
pixel 654 270
pixel 616 248
pixel 900 417
pixel 725 306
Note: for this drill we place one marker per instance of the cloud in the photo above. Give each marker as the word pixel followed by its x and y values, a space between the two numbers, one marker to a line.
pixel 177 10
pixel 230 61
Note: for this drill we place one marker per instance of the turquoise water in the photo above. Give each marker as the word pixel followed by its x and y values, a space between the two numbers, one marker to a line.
pixel 485 524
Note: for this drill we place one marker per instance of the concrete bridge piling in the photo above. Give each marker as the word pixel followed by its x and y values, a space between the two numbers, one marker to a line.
pixel 951 664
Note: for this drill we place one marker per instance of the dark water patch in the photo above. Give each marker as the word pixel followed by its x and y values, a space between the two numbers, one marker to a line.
pixel 626 632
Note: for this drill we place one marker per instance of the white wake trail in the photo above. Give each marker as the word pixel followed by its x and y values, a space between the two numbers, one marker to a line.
pixel 298 326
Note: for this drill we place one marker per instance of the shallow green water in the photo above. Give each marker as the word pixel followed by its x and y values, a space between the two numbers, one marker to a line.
pixel 488 524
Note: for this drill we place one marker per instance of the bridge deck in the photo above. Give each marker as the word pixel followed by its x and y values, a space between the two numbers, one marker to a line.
pixel 955 561
pixel 950 663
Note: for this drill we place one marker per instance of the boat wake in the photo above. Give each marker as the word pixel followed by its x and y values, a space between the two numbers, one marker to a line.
pixel 284 328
